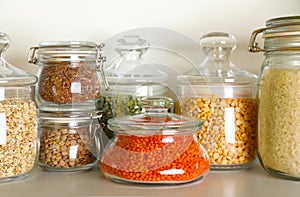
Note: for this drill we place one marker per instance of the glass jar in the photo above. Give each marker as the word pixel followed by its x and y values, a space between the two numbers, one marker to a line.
pixel 225 96
pixel 69 141
pixel 18 119
pixel 156 147
pixel 278 114
pixel 68 74
pixel 130 80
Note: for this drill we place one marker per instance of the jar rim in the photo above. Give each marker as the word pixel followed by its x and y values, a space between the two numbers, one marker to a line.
pixel 282 20
pixel 72 44
pixel 280 34
pixel 65 51
pixel 69 116
pixel 282 26
pixel 155 123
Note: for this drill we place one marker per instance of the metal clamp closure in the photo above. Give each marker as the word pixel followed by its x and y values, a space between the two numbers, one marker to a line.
pixel 96 132
pixel 32 55
pixel 100 64
pixel 254 47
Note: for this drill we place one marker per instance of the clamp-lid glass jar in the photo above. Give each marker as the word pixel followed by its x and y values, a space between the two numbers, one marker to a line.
pixel 225 96
pixel 69 141
pixel 68 74
pixel 156 147
pixel 279 100
pixel 18 119
pixel 130 79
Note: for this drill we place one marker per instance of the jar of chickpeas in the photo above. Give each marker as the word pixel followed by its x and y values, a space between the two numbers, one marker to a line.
pixel 225 97
pixel 69 141
pixel 18 119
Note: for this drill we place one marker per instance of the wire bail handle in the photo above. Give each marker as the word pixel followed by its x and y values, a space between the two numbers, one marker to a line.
pixel 254 46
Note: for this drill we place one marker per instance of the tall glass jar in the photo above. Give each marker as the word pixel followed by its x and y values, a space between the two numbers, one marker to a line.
pixel 225 96
pixel 279 98
pixel 130 80
pixel 68 74
pixel 18 119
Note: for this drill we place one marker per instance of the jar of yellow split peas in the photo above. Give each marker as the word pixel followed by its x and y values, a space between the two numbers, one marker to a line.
pixel 225 97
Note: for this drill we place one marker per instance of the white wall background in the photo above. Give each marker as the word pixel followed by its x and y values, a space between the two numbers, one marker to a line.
pixel 32 21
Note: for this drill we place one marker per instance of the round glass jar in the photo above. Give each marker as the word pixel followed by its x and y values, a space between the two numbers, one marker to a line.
pixel 68 74
pixel 18 119
pixel 278 114
pixel 156 147
pixel 130 80
pixel 69 141
pixel 225 97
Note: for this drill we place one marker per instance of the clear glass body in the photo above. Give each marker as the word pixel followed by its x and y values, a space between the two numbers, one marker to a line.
pixel 154 148
pixel 278 115
pixel 68 75
pixel 130 80
pixel 68 141
pixel 278 138
pixel 225 97
pixel 156 159
pixel 18 120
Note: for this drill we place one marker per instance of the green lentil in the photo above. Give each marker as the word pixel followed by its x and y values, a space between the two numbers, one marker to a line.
pixel 120 105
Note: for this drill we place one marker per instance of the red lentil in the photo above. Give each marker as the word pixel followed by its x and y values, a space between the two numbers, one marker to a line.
pixel 156 158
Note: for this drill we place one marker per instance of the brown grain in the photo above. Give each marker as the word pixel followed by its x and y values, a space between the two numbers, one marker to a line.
pixel 64 83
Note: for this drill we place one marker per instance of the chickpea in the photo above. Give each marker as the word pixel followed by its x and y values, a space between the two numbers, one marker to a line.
pixel 58 147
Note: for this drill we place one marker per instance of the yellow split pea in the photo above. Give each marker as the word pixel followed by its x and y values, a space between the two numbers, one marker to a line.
pixel 230 130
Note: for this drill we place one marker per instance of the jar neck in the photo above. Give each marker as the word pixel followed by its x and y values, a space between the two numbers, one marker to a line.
pixel 282 43
pixel 9 93
pixel 132 58
pixel 282 59
pixel 218 64
pixel 221 61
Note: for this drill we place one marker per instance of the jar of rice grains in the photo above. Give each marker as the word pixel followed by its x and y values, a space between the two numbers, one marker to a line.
pixel 279 98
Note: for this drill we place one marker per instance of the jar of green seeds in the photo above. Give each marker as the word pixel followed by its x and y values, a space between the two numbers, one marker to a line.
pixel 130 80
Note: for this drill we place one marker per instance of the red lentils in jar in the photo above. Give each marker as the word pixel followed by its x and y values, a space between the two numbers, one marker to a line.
pixel 154 148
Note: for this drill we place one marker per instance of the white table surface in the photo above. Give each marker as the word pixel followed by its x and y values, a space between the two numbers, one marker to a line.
pixel 252 182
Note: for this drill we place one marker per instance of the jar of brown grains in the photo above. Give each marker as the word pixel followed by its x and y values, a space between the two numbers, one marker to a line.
pixel 225 96
pixel 69 141
pixel 18 119
pixel 69 73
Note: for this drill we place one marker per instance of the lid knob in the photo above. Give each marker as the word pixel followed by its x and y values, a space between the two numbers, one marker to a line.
pixel 157 104
pixel 131 42
pixel 218 41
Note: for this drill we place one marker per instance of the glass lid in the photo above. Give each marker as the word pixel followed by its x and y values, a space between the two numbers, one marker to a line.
pixel 217 66
pixel 11 76
pixel 156 120
pixel 64 51
pixel 128 67
pixel 68 118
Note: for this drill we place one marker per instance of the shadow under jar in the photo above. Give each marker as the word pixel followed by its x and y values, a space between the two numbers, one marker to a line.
pixel 68 74
pixel 69 141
